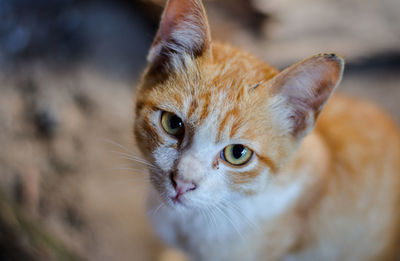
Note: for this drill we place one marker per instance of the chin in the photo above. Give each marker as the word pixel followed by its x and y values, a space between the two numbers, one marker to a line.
pixel 182 206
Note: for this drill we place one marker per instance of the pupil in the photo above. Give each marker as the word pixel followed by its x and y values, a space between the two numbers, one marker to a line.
pixel 175 122
pixel 238 151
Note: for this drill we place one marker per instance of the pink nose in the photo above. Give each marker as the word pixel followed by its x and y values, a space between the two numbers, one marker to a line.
pixel 182 186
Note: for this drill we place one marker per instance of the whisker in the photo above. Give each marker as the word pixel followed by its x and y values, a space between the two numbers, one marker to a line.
pixel 209 218
pixel 204 215
pixel 237 209
pixel 130 156
pixel 139 161
pixel 118 145
pixel 213 218
pixel 134 174
pixel 131 171
pixel 154 211
pixel 128 176
pixel 142 170
pixel 136 179
pixel 217 207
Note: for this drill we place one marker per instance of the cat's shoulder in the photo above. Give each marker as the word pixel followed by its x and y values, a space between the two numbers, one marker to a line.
pixel 360 135
pixel 347 115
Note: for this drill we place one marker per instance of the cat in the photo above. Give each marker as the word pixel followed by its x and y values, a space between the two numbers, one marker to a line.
pixel 240 167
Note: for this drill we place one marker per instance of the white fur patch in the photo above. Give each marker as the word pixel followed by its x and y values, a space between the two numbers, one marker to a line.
pixel 213 213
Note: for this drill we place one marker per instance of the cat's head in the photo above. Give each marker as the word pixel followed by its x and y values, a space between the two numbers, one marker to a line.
pixel 214 120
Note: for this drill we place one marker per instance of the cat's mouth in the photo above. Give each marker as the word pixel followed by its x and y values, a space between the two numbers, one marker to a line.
pixel 178 203
pixel 176 199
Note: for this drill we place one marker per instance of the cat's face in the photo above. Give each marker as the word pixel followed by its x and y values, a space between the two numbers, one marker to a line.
pixel 209 124
pixel 216 122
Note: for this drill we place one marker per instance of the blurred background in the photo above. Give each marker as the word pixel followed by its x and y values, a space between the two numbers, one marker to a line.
pixel 68 74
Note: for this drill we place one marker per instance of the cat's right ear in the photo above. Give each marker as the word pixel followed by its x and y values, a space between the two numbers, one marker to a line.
pixel 301 91
pixel 183 34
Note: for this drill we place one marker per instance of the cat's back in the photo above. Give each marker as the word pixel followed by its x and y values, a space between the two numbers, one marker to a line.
pixel 363 179
pixel 360 136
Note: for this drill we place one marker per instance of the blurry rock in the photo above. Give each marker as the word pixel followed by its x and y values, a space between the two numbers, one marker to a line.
pixel 45 122
pixel 84 102
pixel 27 189
pixel 74 218
pixel 21 238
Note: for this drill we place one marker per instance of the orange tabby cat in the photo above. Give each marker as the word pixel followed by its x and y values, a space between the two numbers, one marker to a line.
pixel 239 172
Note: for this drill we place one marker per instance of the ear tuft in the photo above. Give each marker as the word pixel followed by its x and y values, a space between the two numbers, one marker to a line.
pixel 183 33
pixel 304 88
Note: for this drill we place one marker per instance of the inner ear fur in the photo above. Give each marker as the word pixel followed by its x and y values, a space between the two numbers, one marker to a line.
pixel 305 87
pixel 183 34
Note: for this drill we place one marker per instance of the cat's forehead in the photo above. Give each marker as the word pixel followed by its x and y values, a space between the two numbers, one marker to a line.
pixel 208 108
pixel 228 77
pixel 221 112
pixel 215 94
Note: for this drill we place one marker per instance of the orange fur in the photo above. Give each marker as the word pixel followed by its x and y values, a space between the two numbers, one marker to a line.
pixel 348 166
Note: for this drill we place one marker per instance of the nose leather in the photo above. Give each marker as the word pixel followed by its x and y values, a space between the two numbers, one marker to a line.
pixel 182 186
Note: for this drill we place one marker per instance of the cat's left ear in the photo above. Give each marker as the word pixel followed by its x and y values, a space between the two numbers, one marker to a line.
pixel 300 91
pixel 183 34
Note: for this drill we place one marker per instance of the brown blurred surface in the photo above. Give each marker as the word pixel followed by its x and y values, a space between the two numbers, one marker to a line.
pixel 65 123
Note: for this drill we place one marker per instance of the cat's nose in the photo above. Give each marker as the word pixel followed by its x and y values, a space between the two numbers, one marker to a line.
pixel 181 185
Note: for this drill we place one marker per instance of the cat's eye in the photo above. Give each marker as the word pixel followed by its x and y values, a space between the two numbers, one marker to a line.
pixel 172 124
pixel 236 154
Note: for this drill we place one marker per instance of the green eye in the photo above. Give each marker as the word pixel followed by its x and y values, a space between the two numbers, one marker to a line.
pixel 172 124
pixel 236 154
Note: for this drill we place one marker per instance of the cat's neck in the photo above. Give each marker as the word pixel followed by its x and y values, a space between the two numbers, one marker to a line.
pixel 310 162
pixel 309 168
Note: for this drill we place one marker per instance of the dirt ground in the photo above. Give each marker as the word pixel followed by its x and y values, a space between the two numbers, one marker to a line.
pixel 66 123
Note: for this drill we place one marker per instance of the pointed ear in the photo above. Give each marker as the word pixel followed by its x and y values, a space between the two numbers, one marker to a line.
pixel 301 91
pixel 183 33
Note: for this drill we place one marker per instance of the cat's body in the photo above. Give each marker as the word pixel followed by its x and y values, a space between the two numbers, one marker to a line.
pixel 331 193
